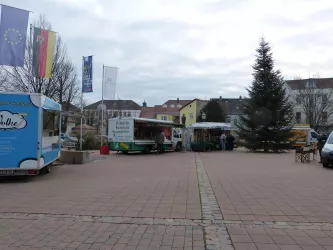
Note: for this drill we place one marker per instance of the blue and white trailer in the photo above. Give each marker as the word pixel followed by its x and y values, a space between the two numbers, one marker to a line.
pixel 29 133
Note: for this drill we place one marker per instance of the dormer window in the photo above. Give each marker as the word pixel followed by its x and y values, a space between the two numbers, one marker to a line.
pixel 172 106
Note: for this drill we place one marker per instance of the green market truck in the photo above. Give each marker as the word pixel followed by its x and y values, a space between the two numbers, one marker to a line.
pixel 129 134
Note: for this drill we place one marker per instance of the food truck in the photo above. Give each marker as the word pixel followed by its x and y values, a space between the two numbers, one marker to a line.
pixel 304 135
pixel 138 134
pixel 29 133
pixel 205 136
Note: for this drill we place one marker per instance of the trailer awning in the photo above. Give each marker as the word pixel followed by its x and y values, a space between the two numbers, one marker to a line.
pixel 72 114
pixel 211 125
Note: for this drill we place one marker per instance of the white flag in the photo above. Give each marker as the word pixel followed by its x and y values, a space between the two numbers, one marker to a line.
pixel 110 82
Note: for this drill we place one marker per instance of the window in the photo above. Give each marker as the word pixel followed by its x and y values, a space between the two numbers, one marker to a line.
pixel 172 106
pixel 165 106
pixel 324 116
pixel 179 105
pixel 164 118
pixel 324 98
pixel 298 117
pixel 191 116
pixel 235 121
pixel 298 99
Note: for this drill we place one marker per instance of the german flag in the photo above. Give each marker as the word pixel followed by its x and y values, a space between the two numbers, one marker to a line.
pixel 43 52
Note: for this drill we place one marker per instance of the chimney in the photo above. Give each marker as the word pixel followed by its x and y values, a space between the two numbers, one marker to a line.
pixel 144 104
pixel 177 100
pixel 220 97
pixel 240 97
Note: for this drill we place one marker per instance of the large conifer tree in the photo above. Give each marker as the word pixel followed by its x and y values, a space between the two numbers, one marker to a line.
pixel 268 114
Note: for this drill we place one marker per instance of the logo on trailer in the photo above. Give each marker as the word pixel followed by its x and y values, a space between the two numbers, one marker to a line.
pixel 12 121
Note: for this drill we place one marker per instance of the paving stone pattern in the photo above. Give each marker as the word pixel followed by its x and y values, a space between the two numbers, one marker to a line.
pixel 214 200
pixel 216 235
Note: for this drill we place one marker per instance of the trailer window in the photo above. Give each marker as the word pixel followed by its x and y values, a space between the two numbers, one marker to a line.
pixel 51 122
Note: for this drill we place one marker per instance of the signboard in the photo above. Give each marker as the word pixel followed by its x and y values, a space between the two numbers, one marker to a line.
pixel 87 73
pixel 12 121
pixel 121 130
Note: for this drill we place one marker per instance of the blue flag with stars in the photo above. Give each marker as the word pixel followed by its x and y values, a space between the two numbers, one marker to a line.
pixel 13 34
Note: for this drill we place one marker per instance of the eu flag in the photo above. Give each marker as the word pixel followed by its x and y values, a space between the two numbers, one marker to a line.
pixel 13 34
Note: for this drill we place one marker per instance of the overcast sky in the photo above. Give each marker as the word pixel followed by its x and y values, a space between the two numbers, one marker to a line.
pixel 189 48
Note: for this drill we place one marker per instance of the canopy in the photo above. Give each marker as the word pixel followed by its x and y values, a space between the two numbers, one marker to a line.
pixel 211 125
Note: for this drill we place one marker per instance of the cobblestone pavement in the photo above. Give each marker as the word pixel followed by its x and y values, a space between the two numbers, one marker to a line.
pixel 115 202
pixel 270 202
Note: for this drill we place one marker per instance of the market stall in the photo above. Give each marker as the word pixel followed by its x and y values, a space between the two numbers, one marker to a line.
pixel 206 135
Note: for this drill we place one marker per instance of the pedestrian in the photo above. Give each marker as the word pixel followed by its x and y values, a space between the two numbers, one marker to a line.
pixel 230 142
pixel 321 142
pixel 160 142
pixel 222 141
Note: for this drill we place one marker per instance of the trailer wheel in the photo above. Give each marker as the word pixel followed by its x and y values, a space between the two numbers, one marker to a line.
pixel 147 150
pixel 48 169
pixel 125 152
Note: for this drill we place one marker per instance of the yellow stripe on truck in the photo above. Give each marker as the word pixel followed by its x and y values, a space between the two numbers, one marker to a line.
pixel 124 145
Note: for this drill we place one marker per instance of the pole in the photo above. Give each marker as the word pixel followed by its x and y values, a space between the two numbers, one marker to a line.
pixel 30 58
pixel 81 106
pixel 102 107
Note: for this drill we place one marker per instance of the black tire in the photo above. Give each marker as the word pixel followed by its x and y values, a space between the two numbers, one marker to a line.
pixel 125 152
pixel 325 165
pixel 147 150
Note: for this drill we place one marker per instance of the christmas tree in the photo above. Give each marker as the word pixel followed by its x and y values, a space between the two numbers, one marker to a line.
pixel 267 116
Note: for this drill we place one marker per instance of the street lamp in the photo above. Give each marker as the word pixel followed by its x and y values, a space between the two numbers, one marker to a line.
pixel 203 116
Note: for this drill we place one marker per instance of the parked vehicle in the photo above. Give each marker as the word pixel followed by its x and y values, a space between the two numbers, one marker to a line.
pixel 138 134
pixel 303 136
pixel 327 152
pixel 29 133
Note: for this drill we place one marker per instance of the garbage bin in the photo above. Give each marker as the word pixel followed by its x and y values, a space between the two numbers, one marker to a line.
pixel 104 150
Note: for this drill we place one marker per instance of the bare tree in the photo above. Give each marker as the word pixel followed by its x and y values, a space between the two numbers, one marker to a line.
pixel 62 86
pixel 316 104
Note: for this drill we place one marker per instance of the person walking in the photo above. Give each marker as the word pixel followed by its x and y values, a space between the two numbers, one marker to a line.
pixel 230 142
pixel 222 141
pixel 321 142
pixel 159 142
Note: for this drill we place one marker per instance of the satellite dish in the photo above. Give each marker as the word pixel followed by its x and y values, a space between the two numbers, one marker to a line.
pixel 101 107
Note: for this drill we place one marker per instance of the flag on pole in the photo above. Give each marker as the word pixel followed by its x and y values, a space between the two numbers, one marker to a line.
pixel 87 74
pixel 13 34
pixel 110 82
pixel 43 52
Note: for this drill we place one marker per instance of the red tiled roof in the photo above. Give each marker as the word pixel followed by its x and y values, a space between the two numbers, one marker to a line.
pixel 175 102
pixel 151 112
pixel 320 83
pixel 147 112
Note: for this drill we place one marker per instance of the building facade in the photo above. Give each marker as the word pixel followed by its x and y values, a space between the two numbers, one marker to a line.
pixel 113 108
pixel 191 111
pixel 232 108
pixel 313 102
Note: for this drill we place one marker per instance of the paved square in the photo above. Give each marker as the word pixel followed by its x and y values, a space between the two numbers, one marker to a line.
pixel 214 200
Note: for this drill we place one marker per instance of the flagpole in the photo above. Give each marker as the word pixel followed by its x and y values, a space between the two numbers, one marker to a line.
pixel 102 107
pixel 30 58
pixel 81 107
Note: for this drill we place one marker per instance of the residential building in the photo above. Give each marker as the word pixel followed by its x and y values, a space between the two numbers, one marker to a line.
pixel 313 102
pixel 232 108
pixel 113 108
pixel 168 111
pixel 191 111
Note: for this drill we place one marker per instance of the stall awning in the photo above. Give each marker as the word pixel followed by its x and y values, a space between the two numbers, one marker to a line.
pixel 211 125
